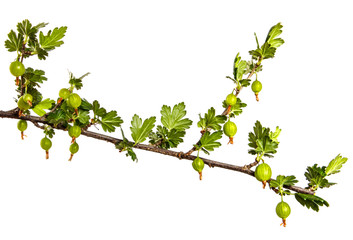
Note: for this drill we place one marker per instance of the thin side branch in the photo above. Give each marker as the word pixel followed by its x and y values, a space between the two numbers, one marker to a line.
pixel 180 155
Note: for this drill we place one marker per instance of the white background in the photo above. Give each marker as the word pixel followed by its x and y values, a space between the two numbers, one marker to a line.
pixel 143 54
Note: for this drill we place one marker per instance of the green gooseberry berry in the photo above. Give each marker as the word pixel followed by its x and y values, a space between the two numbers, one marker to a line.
pixel 74 131
pixel 74 100
pixel 198 165
pixel 256 87
pixel 17 68
pixel 27 98
pixel 283 211
pixel 64 93
pixel 22 126
pixel 73 149
pixel 230 129
pixel 22 105
pixel 46 144
pixel 263 173
pixel 231 99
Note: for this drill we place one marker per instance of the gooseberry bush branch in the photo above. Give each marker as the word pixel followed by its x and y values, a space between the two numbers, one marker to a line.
pixel 76 115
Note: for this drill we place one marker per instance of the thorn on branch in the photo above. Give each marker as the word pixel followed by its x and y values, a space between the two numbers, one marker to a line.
pixel 247 167
pixel 180 155
pixel 227 110
pixel 210 165
pixel 37 125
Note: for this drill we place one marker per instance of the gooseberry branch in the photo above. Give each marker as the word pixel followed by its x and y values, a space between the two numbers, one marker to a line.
pixel 73 114
pixel 13 114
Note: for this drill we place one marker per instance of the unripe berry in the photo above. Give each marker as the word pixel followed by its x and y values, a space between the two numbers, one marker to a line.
pixel 73 149
pixel 283 211
pixel 74 132
pixel 28 98
pixel 263 173
pixel 230 129
pixel 198 165
pixel 74 100
pixel 46 144
pixel 22 105
pixel 17 68
pixel 64 93
pixel 256 87
pixel 22 126
pixel 231 99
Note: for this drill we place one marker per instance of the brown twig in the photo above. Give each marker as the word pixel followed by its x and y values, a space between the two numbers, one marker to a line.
pixel 180 155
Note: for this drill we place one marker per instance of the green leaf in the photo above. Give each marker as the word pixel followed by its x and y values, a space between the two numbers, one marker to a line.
pixel 174 119
pixel 281 181
pixel 25 28
pixel 97 110
pixel 85 105
pixel 14 43
pixel 240 67
pixel 110 121
pixel 83 117
pixel 45 104
pixel 57 117
pixel 139 130
pixel 317 177
pixel 211 121
pixel 127 146
pixel 52 39
pixel 272 35
pixel 37 96
pixel 245 82
pixel 268 49
pixel 236 109
pixel 274 135
pixel 36 49
pixel 77 82
pixel 335 165
pixel 49 131
pixel 34 76
pixel 260 141
pixel 311 201
pixel 209 142
pixel 166 139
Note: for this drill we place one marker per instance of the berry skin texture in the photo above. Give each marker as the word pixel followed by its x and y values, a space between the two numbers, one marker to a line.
pixel 28 98
pixel 256 87
pixel 46 144
pixel 22 105
pixel 74 132
pixel 73 149
pixel 198 164
pixel 230 129
pixel 17 68
pixel 74 100
pixel 64 93
pixel 231 99
pixel 263 173
pixel 283 211
pixel 22 126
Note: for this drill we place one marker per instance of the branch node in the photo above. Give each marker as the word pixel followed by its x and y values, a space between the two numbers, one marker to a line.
pixel 180 155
